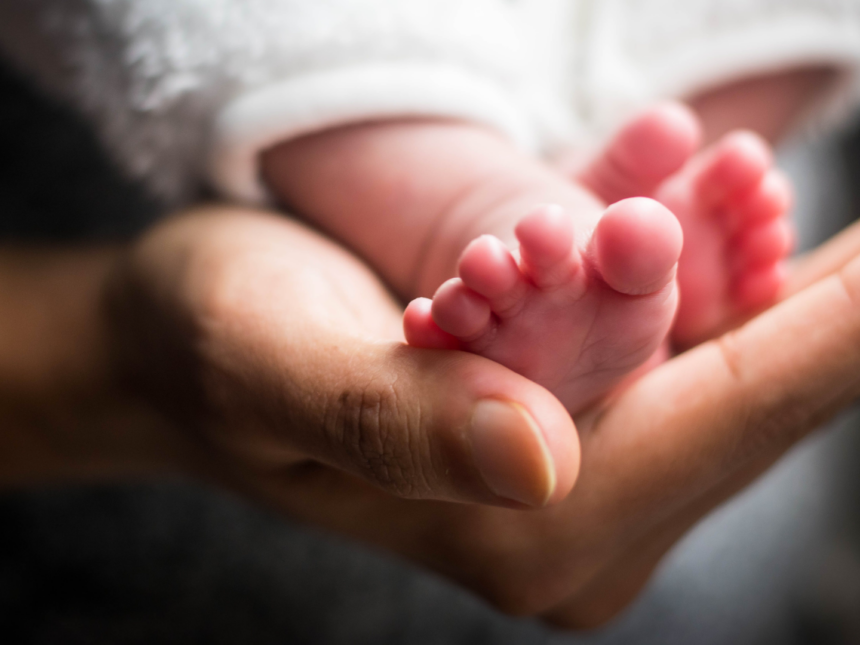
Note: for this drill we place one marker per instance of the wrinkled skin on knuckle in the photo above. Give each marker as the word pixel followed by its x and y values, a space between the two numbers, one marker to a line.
pixel 381 439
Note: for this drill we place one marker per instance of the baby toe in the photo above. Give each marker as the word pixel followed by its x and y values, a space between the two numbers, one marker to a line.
pixel 460 311
pixel 760 287
pixel 420 330
pixel 547 252
pixel 768 201
pixel 763 245
pixel 732 167
pixel 488 268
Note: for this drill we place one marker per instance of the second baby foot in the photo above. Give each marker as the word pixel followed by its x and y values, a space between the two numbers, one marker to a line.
pixel 732 205
pixel 574 311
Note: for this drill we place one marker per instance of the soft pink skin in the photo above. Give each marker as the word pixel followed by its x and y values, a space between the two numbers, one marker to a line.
pixel 732 204
pixel 412 195
pixel 575 313
pixel 730 201
pixel 565 319
pixel 575 318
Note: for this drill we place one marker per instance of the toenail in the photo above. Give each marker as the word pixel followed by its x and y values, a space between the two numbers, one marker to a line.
pixel 510 453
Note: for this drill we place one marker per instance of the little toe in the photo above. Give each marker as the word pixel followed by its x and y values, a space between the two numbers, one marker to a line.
pixel 734 166
pixel 547 253
pixel 460 311
pixel 636 246
pixel 488 268
pixel 421 330
pixel 651 147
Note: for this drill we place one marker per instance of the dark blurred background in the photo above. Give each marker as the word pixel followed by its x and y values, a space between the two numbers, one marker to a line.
pixel 171 562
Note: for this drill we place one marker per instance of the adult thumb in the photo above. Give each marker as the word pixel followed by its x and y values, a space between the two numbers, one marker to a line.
pixel 432 424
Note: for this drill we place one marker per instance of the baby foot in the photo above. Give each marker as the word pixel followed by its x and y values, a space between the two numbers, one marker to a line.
pixel 731 204
pixel 574 313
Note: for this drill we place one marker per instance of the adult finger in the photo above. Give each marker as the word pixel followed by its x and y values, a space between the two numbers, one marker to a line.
pixel 623 575
pixel 704 425
pixel 820 262
pixel 706 414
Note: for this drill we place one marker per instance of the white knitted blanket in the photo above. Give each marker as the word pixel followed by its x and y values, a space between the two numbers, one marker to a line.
pixel 185 92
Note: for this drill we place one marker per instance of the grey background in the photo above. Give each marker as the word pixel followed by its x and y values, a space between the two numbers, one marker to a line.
pixel 171 562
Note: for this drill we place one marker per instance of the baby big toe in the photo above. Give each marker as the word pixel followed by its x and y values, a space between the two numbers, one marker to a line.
pixel 648 149
pixel 636 245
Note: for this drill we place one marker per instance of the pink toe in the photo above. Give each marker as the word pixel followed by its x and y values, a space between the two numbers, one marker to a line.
pixel 769 201
pixel 460 311
pixel 759 288
pixel 651 147
pixel 735 165
pixel 546 234
pixel 765 244
pixel 420 329
pixel 657 142
pixel 488 268
pixel 546 245
pixel 637 244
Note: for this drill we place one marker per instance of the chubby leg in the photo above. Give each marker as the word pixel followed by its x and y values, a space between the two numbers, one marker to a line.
pixel 409 196
pixel 575 312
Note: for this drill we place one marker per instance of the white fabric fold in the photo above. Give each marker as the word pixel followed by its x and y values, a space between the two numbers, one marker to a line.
pixel 638 51
pixel 282 111
pixel 189 92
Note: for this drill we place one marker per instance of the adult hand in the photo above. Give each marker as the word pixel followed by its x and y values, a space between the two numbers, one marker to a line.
pixel 269 360
pixel 655 460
